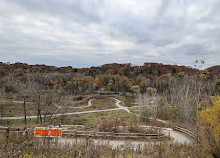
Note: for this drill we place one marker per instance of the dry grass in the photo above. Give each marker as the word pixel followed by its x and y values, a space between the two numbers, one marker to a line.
pixel 90 120
pixel 16 145
pixel 98 103
pixel 16 109
pixel 11 109
pixel 93 120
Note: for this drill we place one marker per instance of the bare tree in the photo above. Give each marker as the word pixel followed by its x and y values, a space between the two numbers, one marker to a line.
pixel 38 90
pixel 61 105
pixel 186 94
pixel 2 96
pixel 139 103
pixel 66 102
pixel 50 102
pixel 138 96
pixel 23 88
pixel 150 101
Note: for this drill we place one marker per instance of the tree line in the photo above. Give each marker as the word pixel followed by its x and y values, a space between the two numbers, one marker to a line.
pixel 176 92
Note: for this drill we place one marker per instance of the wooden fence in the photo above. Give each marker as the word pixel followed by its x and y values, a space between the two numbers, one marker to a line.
pixel 111 135
pixel 93 134
pixel 11 129
pixel 186 131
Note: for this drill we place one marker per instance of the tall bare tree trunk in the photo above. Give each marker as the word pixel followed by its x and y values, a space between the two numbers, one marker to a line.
pixel 1 111
pixel 2 96
pixel 24 106
pixel 139 102
pixel 39 111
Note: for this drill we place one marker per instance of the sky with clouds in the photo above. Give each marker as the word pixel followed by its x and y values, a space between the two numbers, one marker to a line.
pixel 84 33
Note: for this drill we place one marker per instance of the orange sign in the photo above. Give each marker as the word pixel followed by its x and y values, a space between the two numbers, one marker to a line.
pixel 42 132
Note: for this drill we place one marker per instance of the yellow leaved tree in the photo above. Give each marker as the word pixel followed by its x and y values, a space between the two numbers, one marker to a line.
pixel 209 122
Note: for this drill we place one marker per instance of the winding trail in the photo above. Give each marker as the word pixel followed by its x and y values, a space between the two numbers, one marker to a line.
pixel 121 107
pixel 81 107
pixel 75 113
pixel 177 136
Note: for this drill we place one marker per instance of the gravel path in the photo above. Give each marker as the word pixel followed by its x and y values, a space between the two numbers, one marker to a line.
pixel 177 136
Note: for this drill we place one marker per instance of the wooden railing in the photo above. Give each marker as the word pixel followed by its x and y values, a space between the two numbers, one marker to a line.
pixel 11 129
pixel 96 134
pixel 186 131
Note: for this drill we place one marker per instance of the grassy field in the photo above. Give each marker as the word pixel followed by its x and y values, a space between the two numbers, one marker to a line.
pixel 95 119
pixel 98 103
pixel 91 120
pixel 11 108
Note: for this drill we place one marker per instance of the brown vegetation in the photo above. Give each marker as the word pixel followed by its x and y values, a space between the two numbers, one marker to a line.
pixel 16 145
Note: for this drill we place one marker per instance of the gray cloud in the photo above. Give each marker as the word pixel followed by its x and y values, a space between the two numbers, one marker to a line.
pixel 80 11
pixel 93 32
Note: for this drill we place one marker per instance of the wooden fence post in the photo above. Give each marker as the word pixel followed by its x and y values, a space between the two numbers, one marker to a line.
pixel 158 133
pixel 94 133
pixel 76 134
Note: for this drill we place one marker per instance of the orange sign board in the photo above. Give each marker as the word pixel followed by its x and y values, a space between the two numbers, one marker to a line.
pixel 43 132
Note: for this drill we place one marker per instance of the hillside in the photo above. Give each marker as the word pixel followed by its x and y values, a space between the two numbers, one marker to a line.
pixel 112 77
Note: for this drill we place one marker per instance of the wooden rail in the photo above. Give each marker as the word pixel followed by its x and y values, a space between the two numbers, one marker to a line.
pixel 96 134
pixel 186 131
pixel 15 129
pixel 11 129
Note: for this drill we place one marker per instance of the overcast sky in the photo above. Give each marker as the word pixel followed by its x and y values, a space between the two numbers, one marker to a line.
pixel 84 33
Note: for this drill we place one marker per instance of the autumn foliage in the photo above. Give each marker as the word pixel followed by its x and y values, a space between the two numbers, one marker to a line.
pixel 209 121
